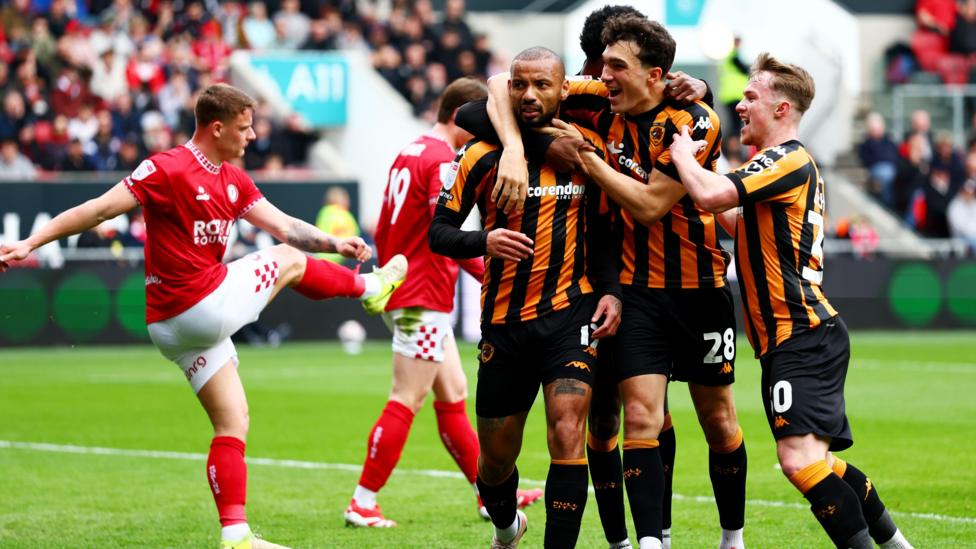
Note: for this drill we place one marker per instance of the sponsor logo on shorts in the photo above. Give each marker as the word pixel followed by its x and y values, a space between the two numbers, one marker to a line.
pixel 487 351
pixel 579 364
pixel 867 488
pixel 198 364
pixel 726 368
pixel 564 506
pixel 780 422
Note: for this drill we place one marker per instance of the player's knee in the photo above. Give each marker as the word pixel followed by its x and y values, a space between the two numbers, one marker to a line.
pixel 291 262
pixel 643 421
pixel 604 424
pixel 791 462
pixel 566 437
pixel 494 467
pixel 235 425
pixel 719 427
pixel 412 400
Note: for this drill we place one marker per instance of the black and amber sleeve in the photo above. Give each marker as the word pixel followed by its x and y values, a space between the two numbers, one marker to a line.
pixel 602 249
pixel 472 170
pixel 774 174
pixel 704 125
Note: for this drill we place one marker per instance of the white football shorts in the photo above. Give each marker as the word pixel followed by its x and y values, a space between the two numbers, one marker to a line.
pixel 198 339
pixel 419 332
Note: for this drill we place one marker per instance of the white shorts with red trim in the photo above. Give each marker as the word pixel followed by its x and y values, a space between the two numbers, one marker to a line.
pixel 198 339
pixel 419 333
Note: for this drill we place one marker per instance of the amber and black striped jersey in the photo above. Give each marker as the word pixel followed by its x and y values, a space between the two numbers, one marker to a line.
pixel 682 249
pixel 779 244
pixel 554 217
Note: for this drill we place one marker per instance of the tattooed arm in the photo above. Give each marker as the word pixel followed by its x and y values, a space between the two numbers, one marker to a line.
pixel 302 235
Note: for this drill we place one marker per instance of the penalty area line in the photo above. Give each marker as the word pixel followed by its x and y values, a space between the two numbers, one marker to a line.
pixel 351 468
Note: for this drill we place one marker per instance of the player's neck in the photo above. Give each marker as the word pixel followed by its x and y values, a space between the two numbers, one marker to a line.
pixel 444 132
pixel 779 136
pixel 208 149
pixel 654 98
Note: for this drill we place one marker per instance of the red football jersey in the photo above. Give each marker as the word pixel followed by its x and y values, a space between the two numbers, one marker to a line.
pixel 190 206
pixel 415 181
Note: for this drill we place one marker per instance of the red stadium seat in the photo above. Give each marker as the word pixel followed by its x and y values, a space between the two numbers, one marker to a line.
pixel 928 47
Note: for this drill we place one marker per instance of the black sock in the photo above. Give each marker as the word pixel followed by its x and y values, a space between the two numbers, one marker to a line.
pixel 500 500
pixel 606 471
pixel 835 505
pixel 644 478
pixel 668 448
pixel 880 525
pixel 728 474
pixel 565 500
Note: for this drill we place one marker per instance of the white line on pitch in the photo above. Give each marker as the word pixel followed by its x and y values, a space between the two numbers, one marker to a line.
pixel 347 467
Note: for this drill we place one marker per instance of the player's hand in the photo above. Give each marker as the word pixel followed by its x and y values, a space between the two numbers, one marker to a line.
pixel 608 308
pixel 563 155
pixel 684 88
pixel 15 251
pixel 562 129
pixel 512 183
pixel 509 245
pixel 353 247
pixel 683 144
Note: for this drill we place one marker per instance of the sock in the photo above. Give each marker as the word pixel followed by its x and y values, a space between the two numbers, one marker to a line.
pixel 731 539
pixel 623 544
pixel 644 478
pixel 666 538
pixel 235 532
pixel 385 445
pixel 227 475
pixel 880 525
pixel 364 497
pixel 668 445
pixel 458 436
pixel 834 504
pixel 897 541
pixel 508 533
pixel 324 279
pixel 727 469
pixel 501 502
pixel 566 488
pixel 606 472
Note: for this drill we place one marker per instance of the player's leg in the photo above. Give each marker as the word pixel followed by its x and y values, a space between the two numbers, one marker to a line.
pixel 322 279
pixel 727 461
pixel 667 442
pixel 643 402
pixel 803 396
pixel 508 383
pixel 603 453
pixel 881 526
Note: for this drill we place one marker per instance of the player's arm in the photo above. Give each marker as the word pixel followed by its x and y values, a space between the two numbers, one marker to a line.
pixel 82 217
pixel 601 265
pixel 728 219
pixel 303 235
pixel 436 176
pixel 713 192
pixel 512 185
pixel 647 203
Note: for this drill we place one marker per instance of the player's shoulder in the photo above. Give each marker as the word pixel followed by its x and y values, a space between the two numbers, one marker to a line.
pixel 476 150
pixel 696 114
pixel 586 85
pixel 589 134
pixel 787 157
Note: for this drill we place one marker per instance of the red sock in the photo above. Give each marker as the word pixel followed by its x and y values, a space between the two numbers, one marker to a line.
pixel 458 436
pixel 227 475
pixel 324 279
pixel 385 445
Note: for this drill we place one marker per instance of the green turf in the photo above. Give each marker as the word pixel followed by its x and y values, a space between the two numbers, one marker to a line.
pixel 909 396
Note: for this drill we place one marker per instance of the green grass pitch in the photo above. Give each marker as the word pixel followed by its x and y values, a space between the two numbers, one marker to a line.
pixel 910 398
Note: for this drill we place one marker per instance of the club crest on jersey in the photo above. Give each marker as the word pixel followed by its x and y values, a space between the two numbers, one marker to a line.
pixel 144 170
pixel 232 193
pixel 657 135
pixel 487 351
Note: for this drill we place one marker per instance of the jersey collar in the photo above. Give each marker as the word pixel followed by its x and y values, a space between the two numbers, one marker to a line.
pixel 202 159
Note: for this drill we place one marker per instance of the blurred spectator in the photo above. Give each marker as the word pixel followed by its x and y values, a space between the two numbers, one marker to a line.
pixel 257 153
pixel 335 218
pixel 921 125
pixel 733 154
pixel 294 139
pixel 733 75
pixel 13 117
pixel 173 98
pixel 125 117
pixel 13 164
pixel 319 37
pixel 75 47
pixel 44 46
pixel 108 76
pixel 106 145
pixel 938 16
pixel 971 140
pixel 75 160
pixel 84 126
pixel 294 24
pixel 913 174
pixel 962 209
pixel 945 157
pixel 879 155
pixel 962 38
pixel 454 21
pixel 258 30
pixel 188 22
pixel 211 51
pixel 129 156
pixel 70 92
pixel 144 71
pixel 15 16
pixel 931 204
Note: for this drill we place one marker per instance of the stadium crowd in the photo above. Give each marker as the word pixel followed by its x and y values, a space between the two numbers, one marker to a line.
pixel 100 84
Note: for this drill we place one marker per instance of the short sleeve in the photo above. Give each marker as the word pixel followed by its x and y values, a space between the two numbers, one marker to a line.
pixel 587 101
pixel 467 177
pixel 249 194
pixel 704 125
pixel 772 175
pixel 149 184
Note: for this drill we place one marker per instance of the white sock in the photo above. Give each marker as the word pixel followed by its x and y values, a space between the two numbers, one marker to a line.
pixel 897 541
pixel 506 535
pixel 372 285
pixel 235 532
pixel 666 539
pixel 364 497
pixel 649 542
pixel 625 544
pixel 731 539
